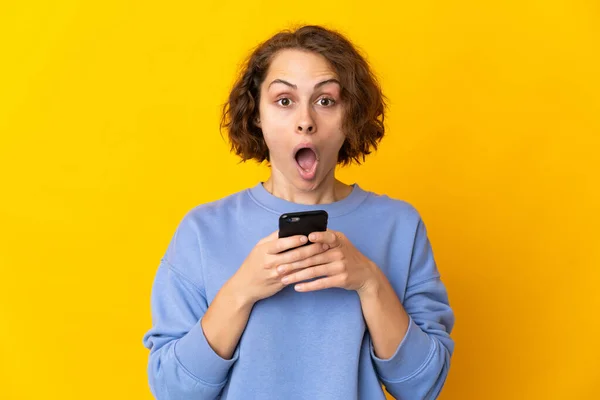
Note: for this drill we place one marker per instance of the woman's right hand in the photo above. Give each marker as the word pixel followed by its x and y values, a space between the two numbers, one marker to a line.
pixel 257 278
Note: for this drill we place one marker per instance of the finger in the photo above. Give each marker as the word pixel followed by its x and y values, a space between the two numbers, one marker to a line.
pixel 301 253
pixel 269 238
pixel 283 244
pixel 307 273
pixel 320 258
pixel 319 284
pixel 328 237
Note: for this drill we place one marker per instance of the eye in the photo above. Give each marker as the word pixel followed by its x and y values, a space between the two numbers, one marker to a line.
pixel 326 102
pixel 284 101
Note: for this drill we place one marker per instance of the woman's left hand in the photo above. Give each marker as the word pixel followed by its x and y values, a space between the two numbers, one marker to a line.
pixel 342 266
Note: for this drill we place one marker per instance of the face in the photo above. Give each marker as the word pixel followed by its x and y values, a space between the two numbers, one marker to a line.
pixel 300 114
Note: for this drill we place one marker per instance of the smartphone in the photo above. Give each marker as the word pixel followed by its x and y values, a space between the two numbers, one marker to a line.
pixel 302 223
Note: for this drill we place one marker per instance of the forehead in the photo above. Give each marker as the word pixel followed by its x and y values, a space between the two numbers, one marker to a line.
pixel 299 65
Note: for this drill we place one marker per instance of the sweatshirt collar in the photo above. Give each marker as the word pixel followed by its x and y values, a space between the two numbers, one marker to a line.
pixel 277 205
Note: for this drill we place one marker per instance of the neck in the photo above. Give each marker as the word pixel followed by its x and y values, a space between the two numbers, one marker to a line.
pixel 329 190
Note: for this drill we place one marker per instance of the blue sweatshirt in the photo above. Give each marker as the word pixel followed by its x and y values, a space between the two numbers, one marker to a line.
pixel 312 345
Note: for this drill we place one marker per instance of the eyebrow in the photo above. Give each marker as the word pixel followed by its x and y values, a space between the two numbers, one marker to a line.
pixel 318 85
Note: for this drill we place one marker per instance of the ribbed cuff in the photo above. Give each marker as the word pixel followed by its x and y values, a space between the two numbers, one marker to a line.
pixel 196 355
pixel 410 357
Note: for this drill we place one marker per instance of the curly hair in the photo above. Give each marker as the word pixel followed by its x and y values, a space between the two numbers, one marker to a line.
pixel 364 102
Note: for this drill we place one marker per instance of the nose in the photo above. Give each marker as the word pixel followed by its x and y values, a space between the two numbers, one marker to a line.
pixel 305 128
pixel 305 123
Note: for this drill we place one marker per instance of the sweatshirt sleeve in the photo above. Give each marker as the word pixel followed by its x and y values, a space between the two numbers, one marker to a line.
pixel 181 364
pixel 418 368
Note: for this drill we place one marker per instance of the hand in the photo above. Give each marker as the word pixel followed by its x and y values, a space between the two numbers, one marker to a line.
pixel 342 266
pixel 257 278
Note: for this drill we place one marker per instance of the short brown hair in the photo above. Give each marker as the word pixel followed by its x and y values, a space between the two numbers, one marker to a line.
pixel 364 102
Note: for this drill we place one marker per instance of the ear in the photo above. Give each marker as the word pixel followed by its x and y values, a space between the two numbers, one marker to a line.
pixel 256 121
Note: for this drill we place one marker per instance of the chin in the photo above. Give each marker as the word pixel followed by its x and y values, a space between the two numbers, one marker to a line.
pixel 309 185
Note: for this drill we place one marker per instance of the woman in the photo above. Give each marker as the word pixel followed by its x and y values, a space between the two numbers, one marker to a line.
pixel 230 318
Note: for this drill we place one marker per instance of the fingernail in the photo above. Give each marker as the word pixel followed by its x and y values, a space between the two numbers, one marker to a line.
pixel 325 247
pixel 313 237
pixel 303 239
pixel 298 287
pixel 285 279
pixel 280 269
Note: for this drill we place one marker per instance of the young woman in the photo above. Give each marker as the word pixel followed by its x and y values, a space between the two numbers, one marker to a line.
pixel 239 313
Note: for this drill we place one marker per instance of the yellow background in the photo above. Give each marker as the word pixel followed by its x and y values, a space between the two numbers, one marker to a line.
pixel 109 115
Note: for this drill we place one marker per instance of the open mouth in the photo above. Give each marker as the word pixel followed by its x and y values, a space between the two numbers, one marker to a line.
pixel 306 158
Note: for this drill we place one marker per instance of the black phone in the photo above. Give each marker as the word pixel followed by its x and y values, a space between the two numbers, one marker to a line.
pixel 302 223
